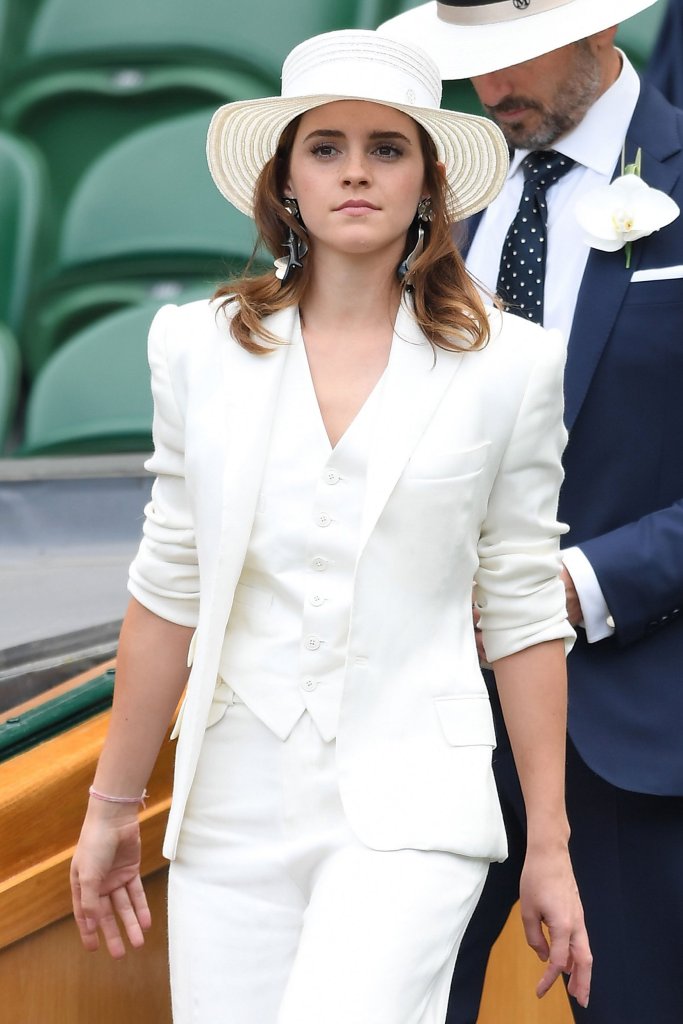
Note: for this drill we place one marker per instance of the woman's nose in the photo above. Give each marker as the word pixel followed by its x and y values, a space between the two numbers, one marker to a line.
pixel 355 170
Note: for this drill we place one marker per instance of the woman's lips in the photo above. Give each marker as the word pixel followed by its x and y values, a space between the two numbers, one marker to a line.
pixel 356 208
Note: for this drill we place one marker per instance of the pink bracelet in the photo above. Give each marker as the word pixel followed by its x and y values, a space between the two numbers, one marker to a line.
pixel 119 799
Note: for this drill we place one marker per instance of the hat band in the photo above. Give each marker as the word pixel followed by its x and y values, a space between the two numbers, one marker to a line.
pixel 488 12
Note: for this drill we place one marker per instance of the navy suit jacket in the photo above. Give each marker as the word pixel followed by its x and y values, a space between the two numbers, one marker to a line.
pixel 665 67
pixel 623 490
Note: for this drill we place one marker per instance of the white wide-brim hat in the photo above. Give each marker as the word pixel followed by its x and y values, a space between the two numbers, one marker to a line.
pixel 477 37
pixel 351 65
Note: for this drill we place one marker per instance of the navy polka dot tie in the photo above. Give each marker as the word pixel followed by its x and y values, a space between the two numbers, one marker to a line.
pixel 522 263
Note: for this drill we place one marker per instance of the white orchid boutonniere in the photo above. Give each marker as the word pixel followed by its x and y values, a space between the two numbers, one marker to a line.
pixel 615 215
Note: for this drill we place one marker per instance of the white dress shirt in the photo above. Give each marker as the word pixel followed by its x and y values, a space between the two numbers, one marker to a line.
pixel 596 145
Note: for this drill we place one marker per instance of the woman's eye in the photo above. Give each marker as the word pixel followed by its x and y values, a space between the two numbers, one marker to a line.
pixel 324 149
pixel 387 151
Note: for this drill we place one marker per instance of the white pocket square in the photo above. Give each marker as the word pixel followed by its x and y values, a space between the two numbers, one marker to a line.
pixel 657 274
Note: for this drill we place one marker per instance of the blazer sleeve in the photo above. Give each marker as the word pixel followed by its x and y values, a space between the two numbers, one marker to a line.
pixel 164 576
pixel 639 567
pixel 518 589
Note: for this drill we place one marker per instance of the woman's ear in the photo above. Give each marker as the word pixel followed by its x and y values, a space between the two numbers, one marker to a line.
pixel 441 168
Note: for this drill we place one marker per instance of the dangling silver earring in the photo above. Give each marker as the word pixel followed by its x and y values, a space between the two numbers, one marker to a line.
pixel 424 216
pixel 296 247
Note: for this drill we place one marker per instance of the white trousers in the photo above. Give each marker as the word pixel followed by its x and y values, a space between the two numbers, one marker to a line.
pixel 279 915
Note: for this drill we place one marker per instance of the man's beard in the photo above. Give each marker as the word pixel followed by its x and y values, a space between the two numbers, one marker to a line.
pixel 565 112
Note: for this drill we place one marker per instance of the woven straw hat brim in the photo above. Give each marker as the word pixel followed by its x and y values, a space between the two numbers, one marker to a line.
pixel 244 135
pixel 465 51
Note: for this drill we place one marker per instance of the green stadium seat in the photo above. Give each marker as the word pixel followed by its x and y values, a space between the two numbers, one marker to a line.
pixel 257 35
pixel 16 18
pixel 94 394
pixel 637 35
pixel 72 114
pixel 145 221
pixel 9 381
pixel 22 206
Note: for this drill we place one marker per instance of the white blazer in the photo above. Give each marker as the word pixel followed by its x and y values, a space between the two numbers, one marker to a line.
pixel 462 485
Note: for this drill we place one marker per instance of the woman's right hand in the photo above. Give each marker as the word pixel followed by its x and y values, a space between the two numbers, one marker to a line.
pixel 106 887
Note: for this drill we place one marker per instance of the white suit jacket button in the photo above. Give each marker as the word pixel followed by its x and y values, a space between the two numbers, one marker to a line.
pixel 319 563
pixel 312 643
pixel 323 519
pixel 309 685
pixel 332 477
pixel 316 600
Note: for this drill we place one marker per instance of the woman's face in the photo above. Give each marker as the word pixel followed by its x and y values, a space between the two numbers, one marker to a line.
pixel 357 171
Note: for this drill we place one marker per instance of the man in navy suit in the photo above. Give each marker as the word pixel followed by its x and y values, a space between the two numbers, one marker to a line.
pixel 548 72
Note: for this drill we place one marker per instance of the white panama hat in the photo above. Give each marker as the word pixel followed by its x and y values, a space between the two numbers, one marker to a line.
pixel 475 37
pixel 357 64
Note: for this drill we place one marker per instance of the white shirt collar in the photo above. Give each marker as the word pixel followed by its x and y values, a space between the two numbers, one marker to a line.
pixel 598 140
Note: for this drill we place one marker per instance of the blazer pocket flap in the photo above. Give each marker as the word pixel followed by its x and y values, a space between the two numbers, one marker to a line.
pixel 431 465
pixel 253 597
pixel 658 274
pixel 466 721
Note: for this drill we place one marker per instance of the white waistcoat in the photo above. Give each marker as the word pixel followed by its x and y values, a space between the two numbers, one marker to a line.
pixel 286 640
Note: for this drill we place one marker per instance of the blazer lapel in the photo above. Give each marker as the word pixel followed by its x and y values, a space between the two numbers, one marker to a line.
pixel 250 387
pixel 415 383
pixel 606 278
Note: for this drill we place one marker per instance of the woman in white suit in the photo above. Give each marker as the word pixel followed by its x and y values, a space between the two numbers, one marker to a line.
pixel 342 448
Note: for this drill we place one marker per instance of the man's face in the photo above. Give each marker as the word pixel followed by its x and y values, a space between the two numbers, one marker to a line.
pixel 537 102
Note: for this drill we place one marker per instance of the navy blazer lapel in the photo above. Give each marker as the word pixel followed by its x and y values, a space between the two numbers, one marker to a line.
pixel 606 278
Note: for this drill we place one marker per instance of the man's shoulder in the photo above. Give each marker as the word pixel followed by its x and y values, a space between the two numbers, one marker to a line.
pixel 657 124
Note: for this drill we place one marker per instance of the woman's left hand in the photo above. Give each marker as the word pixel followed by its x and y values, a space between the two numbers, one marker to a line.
pixel 549 897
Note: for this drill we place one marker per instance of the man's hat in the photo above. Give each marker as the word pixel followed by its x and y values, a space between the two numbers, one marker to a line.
pixel 474 37
pixel 350 65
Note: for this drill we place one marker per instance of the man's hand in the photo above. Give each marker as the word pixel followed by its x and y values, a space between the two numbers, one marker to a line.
pixel 574 612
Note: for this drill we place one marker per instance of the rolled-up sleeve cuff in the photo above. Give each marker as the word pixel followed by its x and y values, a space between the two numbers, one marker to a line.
pixel 182 610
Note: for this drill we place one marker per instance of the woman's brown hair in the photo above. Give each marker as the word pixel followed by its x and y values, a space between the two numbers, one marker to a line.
pixel 447 305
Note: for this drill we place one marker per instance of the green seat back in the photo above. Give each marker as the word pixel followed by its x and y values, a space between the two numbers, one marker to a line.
pixel 16 18
pixel 59 313
pixel 9 381
pixel 150 200
pixel 94 395
pixel 72 114
pixel 145 221
pixel 258 34
pixel 22 198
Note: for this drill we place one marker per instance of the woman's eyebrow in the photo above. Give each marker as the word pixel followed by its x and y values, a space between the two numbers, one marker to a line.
pixel 331 133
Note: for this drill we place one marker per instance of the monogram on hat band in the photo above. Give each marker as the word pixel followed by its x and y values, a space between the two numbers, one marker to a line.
pixel 489 12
